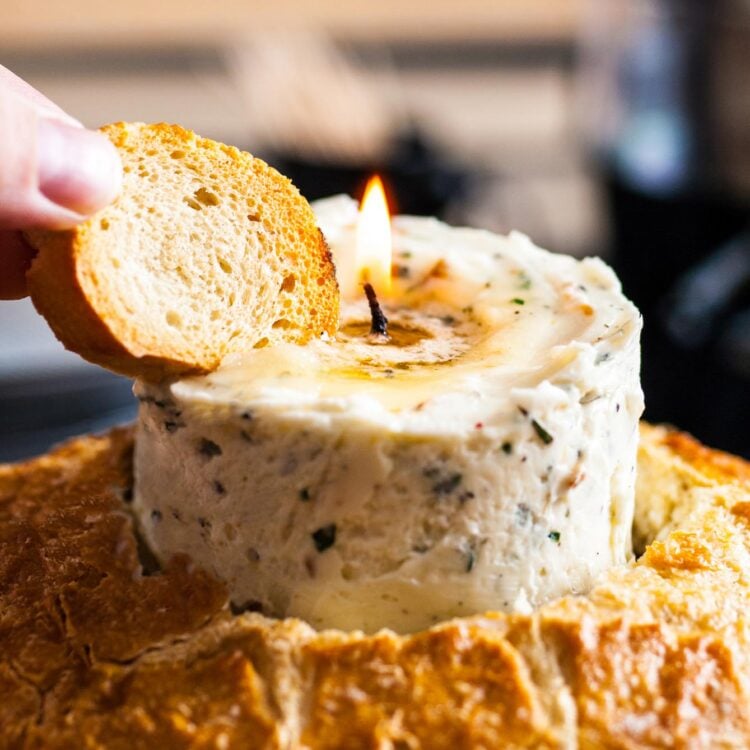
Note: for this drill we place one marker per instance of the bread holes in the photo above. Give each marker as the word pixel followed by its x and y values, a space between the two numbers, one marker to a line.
pixel 206 197
pixel 215 314
pixel 104 224
pixel 289 283
pixel 261 344
pixel 192 203
pixel 173 318
pixel 178 154
pixel 225 265
pixel 253 218
pixel 282 323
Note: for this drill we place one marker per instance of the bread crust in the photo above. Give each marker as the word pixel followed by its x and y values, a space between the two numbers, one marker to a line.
pixel 196 220
pixel 93 653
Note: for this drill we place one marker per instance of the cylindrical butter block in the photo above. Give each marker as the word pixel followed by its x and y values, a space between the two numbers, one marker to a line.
pixel 482 459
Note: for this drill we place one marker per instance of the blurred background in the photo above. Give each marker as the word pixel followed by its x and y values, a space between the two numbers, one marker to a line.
pixel 619 128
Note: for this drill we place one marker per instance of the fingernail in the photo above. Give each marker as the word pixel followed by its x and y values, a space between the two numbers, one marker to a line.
pixel 77 168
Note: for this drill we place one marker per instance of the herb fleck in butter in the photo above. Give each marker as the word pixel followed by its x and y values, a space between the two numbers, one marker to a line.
pixel 542 434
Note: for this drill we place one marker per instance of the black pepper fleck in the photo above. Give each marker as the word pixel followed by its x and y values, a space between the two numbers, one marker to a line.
pixel 304 494
pixel 156 515
pixel 248 415
pixel 447 485
pixel 219 487
pixel 507 448
pixel 554 536
pixel 171 426
pixel 324 537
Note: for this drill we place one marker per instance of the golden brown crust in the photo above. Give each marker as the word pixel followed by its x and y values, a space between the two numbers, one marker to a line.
pixel 196 220
pixel 92 653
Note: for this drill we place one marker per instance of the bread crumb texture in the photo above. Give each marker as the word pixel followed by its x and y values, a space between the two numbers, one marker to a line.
pixel 207 251
pixel 98 649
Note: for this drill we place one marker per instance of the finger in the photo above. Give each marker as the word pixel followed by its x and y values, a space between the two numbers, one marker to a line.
pixel 53 173
pixel 77 168
pixel 15 259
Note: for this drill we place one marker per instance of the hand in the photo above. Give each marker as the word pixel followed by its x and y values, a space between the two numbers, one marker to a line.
pixel 53 174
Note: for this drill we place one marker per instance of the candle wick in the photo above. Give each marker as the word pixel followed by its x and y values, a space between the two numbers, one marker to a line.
pixel 379 321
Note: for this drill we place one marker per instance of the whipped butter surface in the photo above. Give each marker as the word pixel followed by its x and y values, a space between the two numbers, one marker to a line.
pixel 482 459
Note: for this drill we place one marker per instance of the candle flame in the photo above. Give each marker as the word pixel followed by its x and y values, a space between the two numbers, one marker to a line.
pixel 374 248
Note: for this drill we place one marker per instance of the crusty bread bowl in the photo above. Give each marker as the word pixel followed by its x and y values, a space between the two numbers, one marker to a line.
pixel 95 651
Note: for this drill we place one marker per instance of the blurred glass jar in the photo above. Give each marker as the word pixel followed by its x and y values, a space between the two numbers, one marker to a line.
pixel 664 94
pixel 664 108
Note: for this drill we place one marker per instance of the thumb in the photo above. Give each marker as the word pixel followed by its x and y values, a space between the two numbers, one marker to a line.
pixel 53 173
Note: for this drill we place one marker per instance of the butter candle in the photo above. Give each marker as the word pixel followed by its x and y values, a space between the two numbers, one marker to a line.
pixel 481 459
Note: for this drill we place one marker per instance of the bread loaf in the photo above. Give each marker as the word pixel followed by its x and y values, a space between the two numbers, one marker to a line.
pixel 207 251
pixel 98 651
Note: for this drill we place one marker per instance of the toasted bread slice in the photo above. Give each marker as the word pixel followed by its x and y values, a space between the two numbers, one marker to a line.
pixel 207 251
